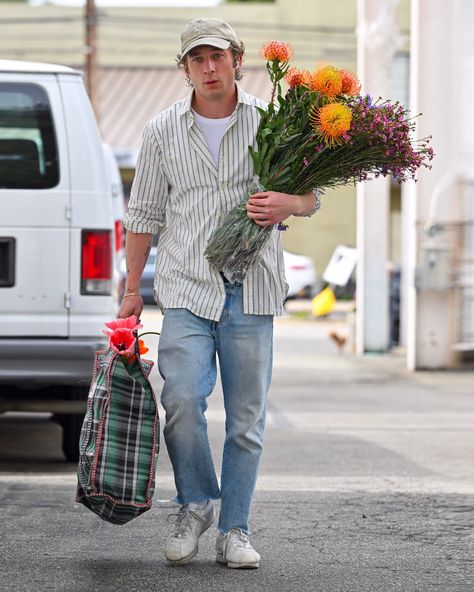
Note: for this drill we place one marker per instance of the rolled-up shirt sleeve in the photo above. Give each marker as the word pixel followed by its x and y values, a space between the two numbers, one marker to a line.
pixel 149 193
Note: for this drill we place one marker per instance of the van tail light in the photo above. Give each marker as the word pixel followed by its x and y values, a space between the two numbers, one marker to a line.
pixel 96 263
pixel 118 235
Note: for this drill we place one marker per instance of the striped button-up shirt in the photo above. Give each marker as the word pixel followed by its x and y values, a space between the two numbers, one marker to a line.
pixel 180 193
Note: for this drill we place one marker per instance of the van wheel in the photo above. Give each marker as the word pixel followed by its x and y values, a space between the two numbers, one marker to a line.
pixel 71 424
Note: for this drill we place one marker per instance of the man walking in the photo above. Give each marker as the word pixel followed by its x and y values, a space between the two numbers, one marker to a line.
pixel 193 168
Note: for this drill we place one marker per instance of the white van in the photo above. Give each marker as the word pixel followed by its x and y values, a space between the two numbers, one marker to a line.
pixel 118 209
pixel 57 243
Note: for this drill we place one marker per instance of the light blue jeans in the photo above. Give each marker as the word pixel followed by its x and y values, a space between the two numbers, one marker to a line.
pixel 187 362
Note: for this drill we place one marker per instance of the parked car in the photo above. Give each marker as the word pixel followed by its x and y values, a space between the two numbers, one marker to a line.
pixel 300 275
pixel 57 242
pixel 299 270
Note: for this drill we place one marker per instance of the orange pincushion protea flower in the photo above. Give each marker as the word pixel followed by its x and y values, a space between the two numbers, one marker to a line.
pixel 331 121
pixel 350 83
pixel 295 77
pixel 328 81
pixel 307 79
pixel 276 51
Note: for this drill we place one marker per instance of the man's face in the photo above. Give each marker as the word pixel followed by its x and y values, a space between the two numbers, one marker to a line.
pixel 211 71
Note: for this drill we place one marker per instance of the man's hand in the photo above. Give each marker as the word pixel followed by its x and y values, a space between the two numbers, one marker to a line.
pixel 267 208
pixel 131 305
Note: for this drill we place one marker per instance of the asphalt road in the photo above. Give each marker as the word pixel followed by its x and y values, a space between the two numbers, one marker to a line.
pixel 366 484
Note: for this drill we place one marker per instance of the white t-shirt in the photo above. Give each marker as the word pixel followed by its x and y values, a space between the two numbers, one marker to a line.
pixel 213 131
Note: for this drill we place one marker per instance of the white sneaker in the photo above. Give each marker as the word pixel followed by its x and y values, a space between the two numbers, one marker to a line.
pixel 234 549
pixel 182 545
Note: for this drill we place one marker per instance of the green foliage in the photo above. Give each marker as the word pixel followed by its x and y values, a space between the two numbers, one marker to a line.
pixel 285 137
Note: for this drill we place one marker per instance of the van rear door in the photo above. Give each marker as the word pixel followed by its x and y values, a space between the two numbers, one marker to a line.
pixel 34 207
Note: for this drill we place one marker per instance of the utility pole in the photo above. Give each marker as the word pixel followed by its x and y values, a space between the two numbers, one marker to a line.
pixel 91 73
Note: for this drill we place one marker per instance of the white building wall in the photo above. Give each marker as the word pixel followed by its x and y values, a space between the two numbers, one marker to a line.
pixel 434 202
pixel 377 42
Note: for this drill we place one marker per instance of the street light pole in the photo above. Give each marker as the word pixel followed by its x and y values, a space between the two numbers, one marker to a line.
pixel 91 54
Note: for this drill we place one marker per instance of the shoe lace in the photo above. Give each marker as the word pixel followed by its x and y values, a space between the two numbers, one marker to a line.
pixel 239 538
pixel 183 521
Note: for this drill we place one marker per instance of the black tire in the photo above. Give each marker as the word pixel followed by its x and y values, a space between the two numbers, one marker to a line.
pixel 71 424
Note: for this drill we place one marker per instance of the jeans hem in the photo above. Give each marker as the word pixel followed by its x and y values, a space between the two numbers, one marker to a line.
pixel 196 500
pixel 244 530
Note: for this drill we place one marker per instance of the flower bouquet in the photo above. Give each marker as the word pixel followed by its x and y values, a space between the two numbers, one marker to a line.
pixel 322 133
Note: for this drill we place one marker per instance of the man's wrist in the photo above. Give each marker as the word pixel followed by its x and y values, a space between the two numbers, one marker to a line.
pixel 308 204
pixel 316 203
pixel 300 207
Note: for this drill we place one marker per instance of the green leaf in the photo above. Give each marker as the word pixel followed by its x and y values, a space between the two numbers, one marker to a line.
pixel 265 133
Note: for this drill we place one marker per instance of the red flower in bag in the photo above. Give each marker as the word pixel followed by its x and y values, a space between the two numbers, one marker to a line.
pixel 130 323
pixel 122 341
pixel 122 335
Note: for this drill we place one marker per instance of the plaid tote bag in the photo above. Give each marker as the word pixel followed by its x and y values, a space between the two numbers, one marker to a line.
pixel 119 442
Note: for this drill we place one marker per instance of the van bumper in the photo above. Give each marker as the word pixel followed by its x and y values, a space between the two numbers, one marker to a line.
pixel 31 362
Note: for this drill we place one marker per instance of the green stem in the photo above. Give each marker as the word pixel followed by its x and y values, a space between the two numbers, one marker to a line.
pixel 272 98
pixel 148 333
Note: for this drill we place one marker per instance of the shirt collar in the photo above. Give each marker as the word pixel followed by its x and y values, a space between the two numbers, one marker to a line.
pixel 242 98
